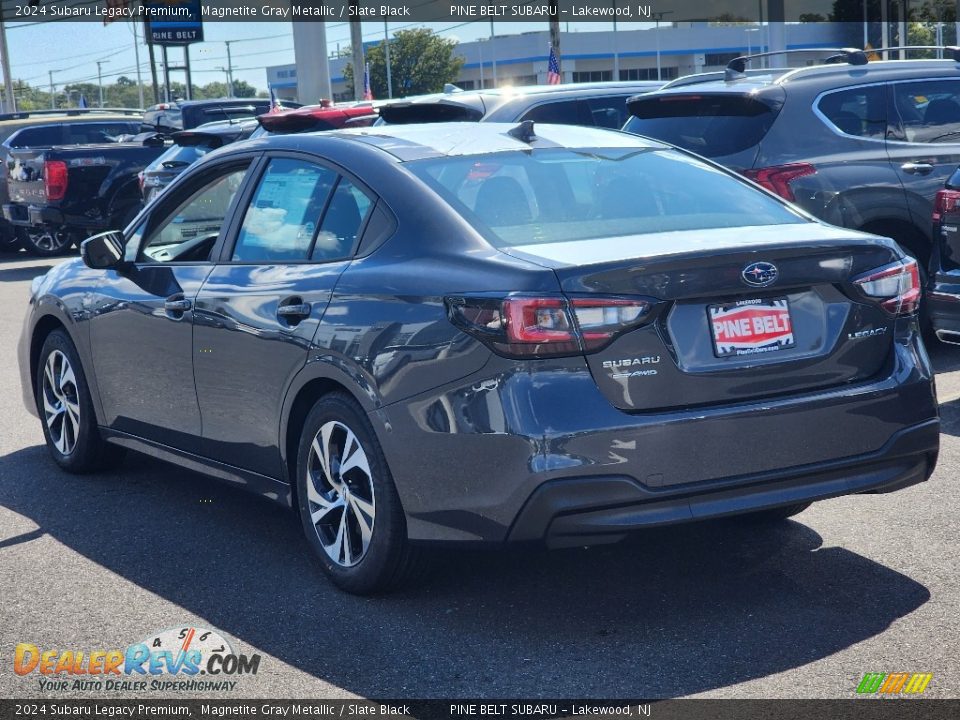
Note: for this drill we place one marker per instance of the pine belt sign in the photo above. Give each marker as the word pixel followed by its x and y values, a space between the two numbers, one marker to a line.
pixel 173 22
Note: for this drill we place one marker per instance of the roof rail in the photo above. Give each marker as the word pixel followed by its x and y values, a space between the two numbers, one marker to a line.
pixel 736 68
pixel 952 49
pixel 71 112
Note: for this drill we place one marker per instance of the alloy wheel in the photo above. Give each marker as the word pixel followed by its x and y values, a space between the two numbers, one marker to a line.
pixel 340 493
pixel 61 402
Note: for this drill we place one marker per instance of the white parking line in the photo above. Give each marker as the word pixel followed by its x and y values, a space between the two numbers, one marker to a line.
pixel 948 397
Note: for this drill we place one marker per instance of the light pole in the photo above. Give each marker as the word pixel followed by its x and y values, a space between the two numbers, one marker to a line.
pixel 386 53
pixel 100 63
pixel 493 55
pixel 657 32
pixel 229 69
pixel 616 55
pixel 749 46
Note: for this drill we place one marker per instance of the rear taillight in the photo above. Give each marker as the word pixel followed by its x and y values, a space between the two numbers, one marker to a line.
pixel 55 179
pixel 946 201
pixel 896 287
pixel 778 177
pixel 547 326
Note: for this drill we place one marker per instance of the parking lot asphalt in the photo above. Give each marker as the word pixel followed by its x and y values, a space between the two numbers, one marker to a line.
pixel 722 609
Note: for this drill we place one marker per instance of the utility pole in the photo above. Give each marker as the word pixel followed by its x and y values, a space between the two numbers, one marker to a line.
pixel 153 74
pixel 386 52
pixel 136 57
pixel 356 49
pixel 100 63
pixel 229 69
pixel 11 100
pixel 53 104
pixel 555 33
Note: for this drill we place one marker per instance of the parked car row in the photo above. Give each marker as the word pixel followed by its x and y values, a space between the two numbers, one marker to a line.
pixel 478 332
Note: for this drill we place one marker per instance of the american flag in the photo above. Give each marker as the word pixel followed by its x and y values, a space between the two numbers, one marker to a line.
pixel 367 92
pixel 553 68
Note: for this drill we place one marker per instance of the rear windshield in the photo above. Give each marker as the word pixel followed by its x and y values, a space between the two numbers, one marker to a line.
pixel 709 125
pixel 556 195
pixel 179 156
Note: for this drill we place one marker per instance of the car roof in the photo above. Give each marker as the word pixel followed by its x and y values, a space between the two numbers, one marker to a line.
pixel 222 101
pixel 417 142
pixel 512 92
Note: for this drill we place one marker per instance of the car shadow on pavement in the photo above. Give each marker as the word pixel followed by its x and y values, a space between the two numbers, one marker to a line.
pixel 670 612
pixel 950 418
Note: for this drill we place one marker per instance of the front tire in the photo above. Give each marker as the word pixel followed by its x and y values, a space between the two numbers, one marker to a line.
pixel 66 410
pixel 348 504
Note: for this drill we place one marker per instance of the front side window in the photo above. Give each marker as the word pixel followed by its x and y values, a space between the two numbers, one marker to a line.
pixel 189 232
pixel 926 112
pixel 557 195
pixel 286 208
pixel 859 112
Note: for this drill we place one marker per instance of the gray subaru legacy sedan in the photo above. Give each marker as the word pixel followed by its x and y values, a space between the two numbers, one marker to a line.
pixel 485 333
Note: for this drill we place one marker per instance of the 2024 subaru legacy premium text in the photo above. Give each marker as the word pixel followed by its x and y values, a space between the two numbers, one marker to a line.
pixel 485 333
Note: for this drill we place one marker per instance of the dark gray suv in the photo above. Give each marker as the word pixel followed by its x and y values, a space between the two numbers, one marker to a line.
pixel 865 146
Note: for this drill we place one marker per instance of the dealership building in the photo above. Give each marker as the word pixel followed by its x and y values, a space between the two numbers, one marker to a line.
pixel 678 49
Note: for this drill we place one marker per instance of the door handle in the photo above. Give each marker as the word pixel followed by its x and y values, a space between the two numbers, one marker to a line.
pixel 176 305
pixel 293 311
pixel 917 168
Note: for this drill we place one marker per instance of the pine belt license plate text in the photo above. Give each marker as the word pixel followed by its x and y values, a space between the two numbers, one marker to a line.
pixel 750 327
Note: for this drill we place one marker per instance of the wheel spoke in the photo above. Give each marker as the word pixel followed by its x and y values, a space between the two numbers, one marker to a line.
pixel 326 507
pixel 49 371
pixel 67 378
pixel 49 409
pixel 365 530
pixel 336 548
pixel 347 542
pixel 355 459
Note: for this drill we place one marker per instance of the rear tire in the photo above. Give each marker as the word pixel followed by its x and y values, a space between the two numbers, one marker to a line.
pixel 45 242
pixel 66 410
pixel 348 504
pixel 777 514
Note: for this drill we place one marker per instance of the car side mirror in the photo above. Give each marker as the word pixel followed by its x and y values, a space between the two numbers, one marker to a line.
pixel 103 251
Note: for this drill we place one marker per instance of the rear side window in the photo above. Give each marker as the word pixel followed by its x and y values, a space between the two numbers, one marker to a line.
pixel 341 223
pixel 609 112
pixel 42 136
pixel 281 222
pixel 859 112
pixel 709 125
pixel 91 133
pixel 556 195
pixel 565 112
pixel 926 111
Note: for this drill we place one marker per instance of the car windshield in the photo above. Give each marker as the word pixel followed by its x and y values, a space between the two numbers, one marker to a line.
pixel 556 195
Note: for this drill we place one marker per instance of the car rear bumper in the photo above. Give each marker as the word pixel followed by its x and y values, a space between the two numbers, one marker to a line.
pixel 943 302
pixel 497 456
pixel 31 215
pixel 575 512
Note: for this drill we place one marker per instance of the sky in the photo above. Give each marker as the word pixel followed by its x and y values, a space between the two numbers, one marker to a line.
pixel 71 49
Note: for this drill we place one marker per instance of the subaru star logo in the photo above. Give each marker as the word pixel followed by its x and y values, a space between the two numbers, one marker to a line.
pixel 760 274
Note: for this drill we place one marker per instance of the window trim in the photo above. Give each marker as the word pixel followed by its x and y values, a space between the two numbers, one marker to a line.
pixel 230 241
pixel 172 200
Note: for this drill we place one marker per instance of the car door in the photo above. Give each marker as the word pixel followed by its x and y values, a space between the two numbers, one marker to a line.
pixel 923 139
pixel 141 327
pixel 259 308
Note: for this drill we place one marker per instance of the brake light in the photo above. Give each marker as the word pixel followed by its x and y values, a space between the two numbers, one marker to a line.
pixel 55 179
pixel 778 177
pixel 553 326
pixel 895 287
pixel 946 201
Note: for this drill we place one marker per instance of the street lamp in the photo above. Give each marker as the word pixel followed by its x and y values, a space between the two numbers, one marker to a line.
pixel 749 46
pixel 100 79
pixel 657 32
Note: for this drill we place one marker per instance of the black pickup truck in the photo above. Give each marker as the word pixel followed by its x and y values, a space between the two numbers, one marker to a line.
pixel 62 194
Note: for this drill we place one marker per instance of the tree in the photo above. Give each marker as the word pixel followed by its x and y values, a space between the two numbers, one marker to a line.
pixel 420 63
